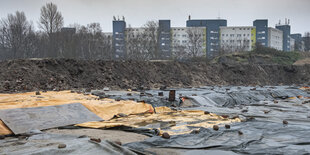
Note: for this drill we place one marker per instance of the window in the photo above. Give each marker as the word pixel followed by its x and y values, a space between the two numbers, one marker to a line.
pixel 232 35
pixel 184 35
pixel 223 35
pixel 238 35
pixel 226 35
pixel 244 35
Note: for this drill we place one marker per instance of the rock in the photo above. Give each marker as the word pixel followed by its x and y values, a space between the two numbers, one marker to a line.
pixel 38 93
pixel 163 88
pixel 304 102
pixel 215 127
pixel 118 142
pixel 129 94
pixel 160 94
pixel 275 101
pixel 60 146
pixel 285 122
pixel 122 115
pixel 106 89
pixel 244 110
pixel 227 126
pixel 2 137
pixel 72 91
pixel 165 135
pixel 242 118
pixel 253 88
pixel 266 111
pixel 82 136
pixel 207 112
pixel 195 132
pixel 240 132
pixel 21 137
pixel 225 116
pixel 98 140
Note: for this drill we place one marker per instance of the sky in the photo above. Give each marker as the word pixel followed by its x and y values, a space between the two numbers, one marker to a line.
pixel 138 12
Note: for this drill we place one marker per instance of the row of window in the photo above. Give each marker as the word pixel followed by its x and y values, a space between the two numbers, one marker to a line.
pixel 242 28
pixel 232 41
pixel 184 35
pixel 238 35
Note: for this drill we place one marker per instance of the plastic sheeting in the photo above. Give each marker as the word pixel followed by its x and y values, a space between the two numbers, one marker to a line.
pixel 23 120
pixel 104 108
pixel 262 111
pixel 48 144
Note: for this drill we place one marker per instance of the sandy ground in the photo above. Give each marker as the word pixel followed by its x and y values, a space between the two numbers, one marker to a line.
pixel 111 135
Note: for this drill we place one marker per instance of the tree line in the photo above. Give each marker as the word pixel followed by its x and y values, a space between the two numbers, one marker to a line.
pixel 19 40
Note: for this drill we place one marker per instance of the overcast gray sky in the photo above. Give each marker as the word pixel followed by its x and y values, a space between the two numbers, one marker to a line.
pixel 137 12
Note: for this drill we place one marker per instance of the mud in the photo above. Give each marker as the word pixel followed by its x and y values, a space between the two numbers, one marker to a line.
pixel 65 74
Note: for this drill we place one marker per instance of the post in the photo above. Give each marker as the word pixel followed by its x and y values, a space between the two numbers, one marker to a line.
pixel 172 95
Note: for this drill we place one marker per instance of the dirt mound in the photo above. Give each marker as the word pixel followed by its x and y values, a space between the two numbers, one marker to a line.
pixel 302 61
pixel 60 74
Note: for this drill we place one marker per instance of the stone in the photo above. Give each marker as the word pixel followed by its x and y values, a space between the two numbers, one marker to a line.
pixel 118 142
pixel 215 127
pixel 207 112
pixel 82 136
pixel 160 94
pixel 285 122
pixel 165 135
pixel 122 115
pixel 21 137
pixel 60 146
pixel 38 93
pixel 2 137
pixel 227 126
pixel 225 116
pixel 240 132
pixel 196 131
pixel 98 140
pixel 245 110
pixel 275 101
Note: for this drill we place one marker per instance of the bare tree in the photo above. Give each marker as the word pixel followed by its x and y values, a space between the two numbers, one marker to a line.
pixel 151 36
pixel 195 42
pixel 14 31
pixel 51 19
pixel 137 45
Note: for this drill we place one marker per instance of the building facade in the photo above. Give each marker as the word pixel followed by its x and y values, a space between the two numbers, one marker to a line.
pixel 237 38
pixel 286 29
pixel 119 43
pixel 299 43
pixel 188 41
pixel 275 38
pixel 164 28
pixel 213 33
pixel 261 31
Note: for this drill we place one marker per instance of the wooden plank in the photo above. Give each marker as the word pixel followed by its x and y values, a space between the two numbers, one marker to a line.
pixel 23 120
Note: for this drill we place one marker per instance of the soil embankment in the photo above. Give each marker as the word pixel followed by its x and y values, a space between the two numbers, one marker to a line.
pixel 60 74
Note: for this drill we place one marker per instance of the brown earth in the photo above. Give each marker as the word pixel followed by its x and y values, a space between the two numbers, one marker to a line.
pixel 65 74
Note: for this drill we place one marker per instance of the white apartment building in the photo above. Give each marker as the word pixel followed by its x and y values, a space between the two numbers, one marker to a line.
pixel 189 40
pixel 237 38
pixel 275 38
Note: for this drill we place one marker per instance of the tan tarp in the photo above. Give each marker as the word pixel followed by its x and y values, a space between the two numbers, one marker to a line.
pixel 105 108
pixel 167 120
